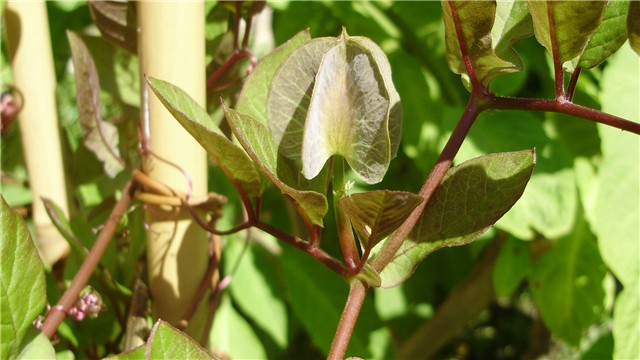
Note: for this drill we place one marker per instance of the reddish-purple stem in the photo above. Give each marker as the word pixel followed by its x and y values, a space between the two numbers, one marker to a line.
pixel 573 83
pixel 557 65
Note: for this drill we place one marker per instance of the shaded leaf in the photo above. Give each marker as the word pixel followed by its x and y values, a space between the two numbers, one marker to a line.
pixel 566 284
pixel 22 281
pixel 608 37
pixel 633 26
pixel 350 112
pixel 512 22
pixel 376 214
pixel 256 140
pixel 476 20
pixel 556 25
pixel 231 158
pixel 290 95
pixel 100 137
pixel 166 342
pixel 233 335
pixel 471 197
pixel 253 98
pixel 513 266
pixel 117 22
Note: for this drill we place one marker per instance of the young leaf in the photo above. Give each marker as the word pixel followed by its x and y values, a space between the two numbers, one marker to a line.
pixel 559 30
pixel 475 21
pixel 290 95
pixel 633 25
pixel 166 342
pixel 512 22
pixel 100 137
pixel 22 281
pixel 608 37
pixel 566 284
pixel 231 158
pixel 117 22
pixel 376 214
pixel 253 98
pixel 256 140
pixel 471 197
pixel 349 112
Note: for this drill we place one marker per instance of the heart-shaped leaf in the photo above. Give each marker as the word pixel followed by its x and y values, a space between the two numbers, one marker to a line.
pixel 253 98
pixel 290 95
pixel 474 20
pixel 349 112
pixel 256 140
pixel 512 22
pixel 22 281
pixel 166 342
pixel 231 158
pixel 376 214
pixel 471 197
pixel 560 30
pixel 100 137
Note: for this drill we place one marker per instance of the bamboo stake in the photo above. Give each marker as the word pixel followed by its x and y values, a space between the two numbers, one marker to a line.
pixel 171 47
pixel 33 74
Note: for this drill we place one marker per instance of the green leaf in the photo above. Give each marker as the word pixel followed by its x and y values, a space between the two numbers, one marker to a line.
pixel 566 284
pixel 135 354
pixel 512 22
pixel 256 290
pixel 471 197
pixel 376 214
pixel 633 26
pixel 22 281
pixel 166 342
pixel 253 98
pixel 350 112
pixel 290 95
pixel 626 320
pixel 255 139
pixel 476 21
pixel 231 158
pixel 608 37
pixel 117 23
pixel 233 335
pixel 37 346
pixel 513 266
pixel 556 25
pixel 100 137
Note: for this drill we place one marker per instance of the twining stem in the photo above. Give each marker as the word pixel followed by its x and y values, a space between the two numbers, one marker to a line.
pixel 357 293
pixel 58 313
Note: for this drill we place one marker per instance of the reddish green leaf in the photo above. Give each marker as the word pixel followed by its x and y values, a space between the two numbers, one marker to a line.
pixel 231 158
pixel 633 25
pixel 256 140
pixel 376 214
pixel 117 22
pixel 471 197
pixel 475 20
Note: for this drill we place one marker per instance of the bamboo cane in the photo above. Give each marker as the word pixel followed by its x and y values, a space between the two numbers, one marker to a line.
pixel 33 74
pixel 171 47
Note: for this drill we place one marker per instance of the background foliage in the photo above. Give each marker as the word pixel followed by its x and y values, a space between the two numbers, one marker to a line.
pixel 568 266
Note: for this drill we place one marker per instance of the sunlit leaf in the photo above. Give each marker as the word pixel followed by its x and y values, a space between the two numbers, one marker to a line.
pixel 100 137
pixel 633 25
pixel 475 20
pixel 290 95
pixel 376 214
pixel 256 140
pixel 37 346
pixel 349 112
pixel 166 342
pixel 512 22
pixel 22 281
pixel 471 197
pixel 608 37
pixel 232 335
pixel 134 354
pixel 626 320
pixel 566 284
pixel 559 30
pixel 117 22
pixel 232 159
pixel 253 98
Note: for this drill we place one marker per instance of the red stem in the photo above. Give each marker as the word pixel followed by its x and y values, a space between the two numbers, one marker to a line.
pixel 573 82
pixel 557 65
pixel 357 293
pixel 58 313
pixel 477 87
